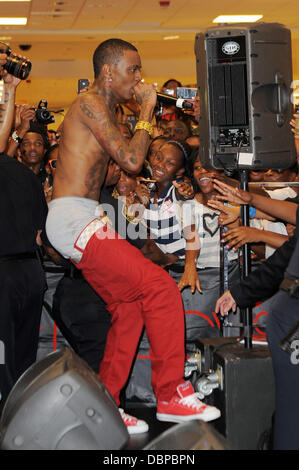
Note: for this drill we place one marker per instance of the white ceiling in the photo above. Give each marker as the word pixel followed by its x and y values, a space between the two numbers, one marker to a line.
pixel 64 33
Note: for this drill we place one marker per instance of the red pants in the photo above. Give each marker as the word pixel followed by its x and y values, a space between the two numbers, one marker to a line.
pixel 137 293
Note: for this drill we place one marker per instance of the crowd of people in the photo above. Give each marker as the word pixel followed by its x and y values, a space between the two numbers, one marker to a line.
pixel 112 233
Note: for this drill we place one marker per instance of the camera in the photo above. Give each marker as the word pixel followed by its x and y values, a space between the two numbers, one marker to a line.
pixel 16 66
pixel 42 114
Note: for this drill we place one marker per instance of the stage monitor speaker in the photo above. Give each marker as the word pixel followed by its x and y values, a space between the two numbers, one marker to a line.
pixel 59 403
pixel 244 76
pixel 195 435
pixel 246 392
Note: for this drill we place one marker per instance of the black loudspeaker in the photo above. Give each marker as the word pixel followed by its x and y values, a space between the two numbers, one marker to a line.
pixel 244 75
pixel 59 403
pixel 195 435
pixel 246 393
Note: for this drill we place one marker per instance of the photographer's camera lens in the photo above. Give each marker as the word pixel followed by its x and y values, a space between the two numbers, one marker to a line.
pixel 17 67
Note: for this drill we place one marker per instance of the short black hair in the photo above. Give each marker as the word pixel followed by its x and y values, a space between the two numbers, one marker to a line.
pixel 110 52
pixel 38 128
pixel 185 123
pixel 171 80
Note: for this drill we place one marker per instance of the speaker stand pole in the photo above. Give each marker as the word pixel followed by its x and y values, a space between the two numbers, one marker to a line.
pixel 223 275
pixel 246 257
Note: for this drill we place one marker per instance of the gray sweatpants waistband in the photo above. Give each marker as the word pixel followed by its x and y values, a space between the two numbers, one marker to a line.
pixel 66 219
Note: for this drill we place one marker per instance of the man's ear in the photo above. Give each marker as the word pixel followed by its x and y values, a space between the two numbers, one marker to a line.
pixel 107 72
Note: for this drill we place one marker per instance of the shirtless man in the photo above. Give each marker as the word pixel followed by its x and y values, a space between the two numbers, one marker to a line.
pixel 136 291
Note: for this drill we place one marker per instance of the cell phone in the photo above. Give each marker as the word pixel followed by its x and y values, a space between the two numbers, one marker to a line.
pixel 149 183
pixel 296 108
pixel 82 83
pixel 186 93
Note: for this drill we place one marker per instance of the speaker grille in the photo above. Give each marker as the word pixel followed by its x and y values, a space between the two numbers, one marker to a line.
pixel 228 94
pixel 244 75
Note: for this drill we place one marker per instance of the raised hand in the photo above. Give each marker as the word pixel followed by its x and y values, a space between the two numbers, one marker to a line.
pixel 145 94
pixel 228 214
pixel 239 236
pixel 142 190
pixel 10 80
pixel 225 303
pixel 231 194
pixel 26 115
pixel 184 189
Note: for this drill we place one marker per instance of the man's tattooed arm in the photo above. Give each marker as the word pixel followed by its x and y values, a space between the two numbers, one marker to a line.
pixel 103 124
pixel 6 116
pixel 89 109
pixel 3 108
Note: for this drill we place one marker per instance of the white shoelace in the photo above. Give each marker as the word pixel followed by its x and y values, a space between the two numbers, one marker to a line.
pixel 193 401
pixel 127 418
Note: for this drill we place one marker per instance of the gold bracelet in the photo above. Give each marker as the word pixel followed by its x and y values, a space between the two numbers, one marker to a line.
pixel 146 126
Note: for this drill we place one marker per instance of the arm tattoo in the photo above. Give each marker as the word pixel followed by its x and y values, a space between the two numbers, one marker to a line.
pixel 89 110
pixel 3 109
pixel 108 128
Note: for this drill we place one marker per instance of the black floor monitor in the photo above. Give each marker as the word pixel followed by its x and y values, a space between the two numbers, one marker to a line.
pixel 59 403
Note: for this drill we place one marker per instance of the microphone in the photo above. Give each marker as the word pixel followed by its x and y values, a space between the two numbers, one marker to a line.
pixel 171 100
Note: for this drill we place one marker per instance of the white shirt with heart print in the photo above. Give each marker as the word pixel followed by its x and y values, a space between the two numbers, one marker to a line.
pixel 206 224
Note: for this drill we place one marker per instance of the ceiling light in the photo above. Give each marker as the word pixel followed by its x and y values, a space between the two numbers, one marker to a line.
pixel 237 18
pixel 170 38
pixel 13 21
